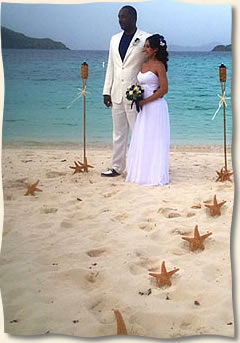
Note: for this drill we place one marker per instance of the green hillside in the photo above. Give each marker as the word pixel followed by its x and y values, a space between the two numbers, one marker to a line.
pixel 223 48
pixel 16 40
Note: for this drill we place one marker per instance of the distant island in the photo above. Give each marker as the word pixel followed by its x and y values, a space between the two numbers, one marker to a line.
pixel 223 48
pixel 16 40
pixel 209 47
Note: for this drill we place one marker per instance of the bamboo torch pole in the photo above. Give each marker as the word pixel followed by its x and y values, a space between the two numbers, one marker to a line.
pixel 84 74
pixel 223 78
pixel 224 174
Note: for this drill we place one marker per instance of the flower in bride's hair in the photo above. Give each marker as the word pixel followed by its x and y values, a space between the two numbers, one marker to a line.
pixel 162 41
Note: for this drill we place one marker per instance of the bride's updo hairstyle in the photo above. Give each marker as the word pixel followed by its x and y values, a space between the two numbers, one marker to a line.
pixel 158 42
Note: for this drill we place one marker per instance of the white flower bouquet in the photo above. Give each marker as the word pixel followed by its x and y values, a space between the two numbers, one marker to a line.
pixel 134 93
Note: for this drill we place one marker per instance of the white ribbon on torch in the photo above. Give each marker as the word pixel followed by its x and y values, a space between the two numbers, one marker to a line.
pixel 81 92
pixel 221 102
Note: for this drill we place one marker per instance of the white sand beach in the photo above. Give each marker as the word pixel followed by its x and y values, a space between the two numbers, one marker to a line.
pixel 85 246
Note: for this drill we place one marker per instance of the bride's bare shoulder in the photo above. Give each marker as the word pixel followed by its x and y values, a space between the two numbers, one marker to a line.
pixel 159 67
pixel 158 64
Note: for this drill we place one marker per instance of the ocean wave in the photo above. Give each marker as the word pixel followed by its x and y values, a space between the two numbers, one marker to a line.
pixel 42 80
pixel 13 120
pixel 66 124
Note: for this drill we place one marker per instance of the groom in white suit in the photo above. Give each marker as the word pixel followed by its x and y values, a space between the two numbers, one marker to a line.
pixel 124 62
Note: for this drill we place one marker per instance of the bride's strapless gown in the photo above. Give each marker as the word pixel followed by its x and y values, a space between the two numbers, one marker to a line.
pixel 149 147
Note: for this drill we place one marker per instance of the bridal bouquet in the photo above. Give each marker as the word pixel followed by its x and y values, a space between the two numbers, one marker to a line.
pixel 134 93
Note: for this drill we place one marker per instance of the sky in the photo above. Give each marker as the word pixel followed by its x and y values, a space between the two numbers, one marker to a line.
pixel 90 26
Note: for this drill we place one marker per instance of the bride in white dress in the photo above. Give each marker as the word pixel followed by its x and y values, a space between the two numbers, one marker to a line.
pixel 148 156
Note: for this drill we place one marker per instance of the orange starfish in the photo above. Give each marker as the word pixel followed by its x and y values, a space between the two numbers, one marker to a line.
pixel 224 175
pixel 81 167
pixel 31 189
pixel 121 327
pixel 215 207
pixel 164 278
pixel 78 167
pixel 196 242
pixel 85 165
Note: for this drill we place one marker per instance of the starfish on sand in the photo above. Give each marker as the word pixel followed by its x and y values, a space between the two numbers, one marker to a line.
pixel 78 167
pixel 215 207
pixel 196 242
pixel 224 175
pixel 85 165
pixel 31 189
pixel 164 277
pixel 81 167
pixel 121 327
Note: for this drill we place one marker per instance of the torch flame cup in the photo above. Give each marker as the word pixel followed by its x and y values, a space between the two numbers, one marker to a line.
pixel 84 71
pixel 222 73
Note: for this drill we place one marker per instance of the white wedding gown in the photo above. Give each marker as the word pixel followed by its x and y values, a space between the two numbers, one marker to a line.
pixel 148 155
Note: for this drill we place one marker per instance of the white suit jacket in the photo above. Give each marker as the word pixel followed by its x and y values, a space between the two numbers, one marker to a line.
pixel 120 75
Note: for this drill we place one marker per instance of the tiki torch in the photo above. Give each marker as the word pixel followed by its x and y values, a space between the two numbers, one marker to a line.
pixel 84 75
pixel 223 174
pixel 223 78
pixel 79 166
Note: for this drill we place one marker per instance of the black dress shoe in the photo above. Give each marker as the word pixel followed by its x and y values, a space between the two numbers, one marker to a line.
pixel 110 173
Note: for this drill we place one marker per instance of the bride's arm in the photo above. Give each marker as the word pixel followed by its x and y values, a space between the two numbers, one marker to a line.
pixel 162 90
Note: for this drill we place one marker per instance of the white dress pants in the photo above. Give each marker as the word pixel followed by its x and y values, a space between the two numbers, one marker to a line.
pixel 123 119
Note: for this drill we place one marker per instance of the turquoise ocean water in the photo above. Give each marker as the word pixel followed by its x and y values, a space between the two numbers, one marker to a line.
pixel 40 84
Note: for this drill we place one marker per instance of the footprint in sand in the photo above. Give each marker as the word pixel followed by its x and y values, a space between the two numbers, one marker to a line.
pixel 96 305
pixel 187 322
pixel 173 215
pixel 105 210
pixel 182 231
pixel 92 277
pixel 190 214
pixel 110 194
pixel 26 161
pixel 80 278
pixel 121 217
pixel 142 265
pixel 54 174
pixel 169 212
pixel 9 197
pixel 45 225
pixel 19 183
pixel 66 224
pixel 97 252
pixel 48 210
pixel 102 309
pixel 147 226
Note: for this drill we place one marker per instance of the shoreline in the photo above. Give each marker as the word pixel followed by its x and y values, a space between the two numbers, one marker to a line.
pixel 108 146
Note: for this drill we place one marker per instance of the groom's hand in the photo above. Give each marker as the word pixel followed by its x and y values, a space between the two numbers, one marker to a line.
pixel 107 100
